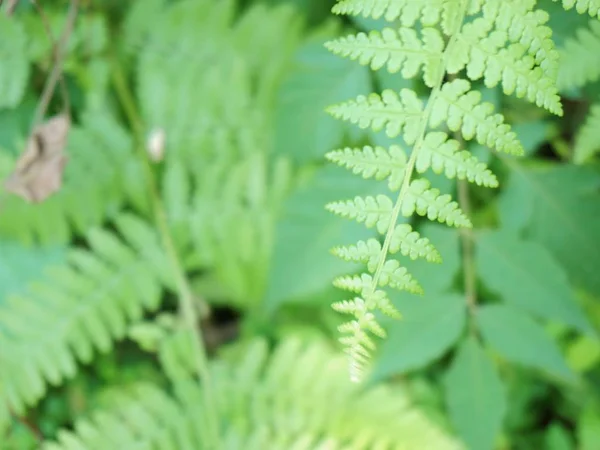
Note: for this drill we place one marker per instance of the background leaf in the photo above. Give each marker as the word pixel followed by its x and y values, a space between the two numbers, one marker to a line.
pixel 14 66
pixel 559 207
pixel 475 396
pixel 526 276
pixel 302 263
pixel 521 340
pixel 320 79
pixel 428 328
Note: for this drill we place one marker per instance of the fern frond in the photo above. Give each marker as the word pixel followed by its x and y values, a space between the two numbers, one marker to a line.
pixel 587 142
pixel 442 155
pixel 579 57
pixel 591 7
pixel 411 244
pixel 397 277
pixel 376 162
pixel 365 252
pixel 429 12
pixel 397 113
pixel 373 211
pixel 426 201
pixel 483 53
pixel 292 398
pixel 400 50
pixel 95 296
pixel 403 239
pixel 463 111
pixel 503 42
pixel 526 26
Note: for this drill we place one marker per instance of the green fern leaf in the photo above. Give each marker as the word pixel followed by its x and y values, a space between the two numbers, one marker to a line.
pixel 403 239
pixel 401 50
pixel 429 12
pixel 579 57
pixel 397 277
pixel 442 155
pixel 373 211
pixel 524 25
pixel 370 162
pixel 463 111
pixel 96 295
pixel 410 243
pixel 587 142
pixel 397 113
pixel 591 7
pixel 265 395
pixel 366 252
pixel 428 202
pixel 503 42
pixel 482 52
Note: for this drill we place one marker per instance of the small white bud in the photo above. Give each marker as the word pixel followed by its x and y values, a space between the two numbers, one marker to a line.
pixel 156 144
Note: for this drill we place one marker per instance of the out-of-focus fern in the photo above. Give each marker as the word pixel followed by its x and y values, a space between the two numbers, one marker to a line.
pixel 579 66
pixel 83 307
pixel 100 176
pixel 217 116
pixel 579 57
pixel 14 66
pixel 587 142
pixel 293 398
pixel 500 42
pixel 591 7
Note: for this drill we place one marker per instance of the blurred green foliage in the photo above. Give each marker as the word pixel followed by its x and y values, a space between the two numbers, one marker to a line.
pixel 240 89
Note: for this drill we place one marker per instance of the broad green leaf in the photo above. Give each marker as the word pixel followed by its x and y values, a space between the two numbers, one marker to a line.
pixel 320 79
pixel 14 65
pixel 557 438
pixel 583 353
pixel 428 328
pixel 520 339
pixel 302 264
pixel 20 265
pixel 559 207
pixel 525 275
pixel 588 428
pixel 475 396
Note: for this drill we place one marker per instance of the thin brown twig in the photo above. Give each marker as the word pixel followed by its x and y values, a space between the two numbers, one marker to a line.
pixel 56 72
pixel 10 6
pixel 55 49
pixel 33 429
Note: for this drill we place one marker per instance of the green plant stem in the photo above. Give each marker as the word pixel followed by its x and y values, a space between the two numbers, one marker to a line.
pixel 410 166
pixel 188 310
pixel 468 255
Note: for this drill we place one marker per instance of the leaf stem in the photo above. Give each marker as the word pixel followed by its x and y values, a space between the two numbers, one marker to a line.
pixel 470 275
pixel 191 317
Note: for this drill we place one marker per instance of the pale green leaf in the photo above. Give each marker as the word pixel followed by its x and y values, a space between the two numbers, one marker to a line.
pixel 588 428
pixel 306 233
pixel 559 207
pixel 527 276
pixel 521 340
pixel 428 328
pixel 14 66
pixel 475 396
pixel 318 80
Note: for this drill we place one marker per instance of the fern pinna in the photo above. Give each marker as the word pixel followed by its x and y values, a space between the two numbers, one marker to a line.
pixel 501 42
